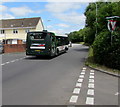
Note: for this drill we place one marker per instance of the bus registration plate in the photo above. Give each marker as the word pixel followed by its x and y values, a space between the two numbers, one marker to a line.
pixel 37 50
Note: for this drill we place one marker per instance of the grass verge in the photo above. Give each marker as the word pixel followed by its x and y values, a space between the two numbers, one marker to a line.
pixel 90 62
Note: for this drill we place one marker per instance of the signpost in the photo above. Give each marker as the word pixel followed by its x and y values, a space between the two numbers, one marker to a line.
pixel 112 24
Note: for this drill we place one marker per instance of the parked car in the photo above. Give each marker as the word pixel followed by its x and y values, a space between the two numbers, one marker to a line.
pixel 1 47
pixel 70 44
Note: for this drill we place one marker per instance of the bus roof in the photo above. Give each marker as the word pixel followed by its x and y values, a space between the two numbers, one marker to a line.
pixel 45 31
pixel 62 35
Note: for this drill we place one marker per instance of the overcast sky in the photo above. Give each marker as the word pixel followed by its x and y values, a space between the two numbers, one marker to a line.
pixel 59 17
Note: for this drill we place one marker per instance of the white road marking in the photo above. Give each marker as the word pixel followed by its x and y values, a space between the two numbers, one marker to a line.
pixel 91 76
pixel 92 73
pixel 83 73
pixel 90 101
pixel 7 62
pixel 3 64
pixel 90 85
pixel 73 99
pixel 90 92
pixel 16 59
pixel 76 91
pixel 80 80
pixel 78 84
pixel 12 61
pixel 117 93
pixel 81 76
pixel 92 70
pixel 91 80
pixel 84 68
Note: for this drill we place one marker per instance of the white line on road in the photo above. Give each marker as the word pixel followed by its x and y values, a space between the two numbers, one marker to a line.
pixel 91 76
pixel 80 80
pixel 90 85
pixel 81 76
pixel 78 84
pixel 92 70
pixel 73 99
pixel 7 62
pixel 76 91
pixel 90 101
pixel 83 73
pixel 117 93
pixel 90 92
pixel 92 73
pixel 13 61
pixel 3 64
pixel 84 68
pixel 91 80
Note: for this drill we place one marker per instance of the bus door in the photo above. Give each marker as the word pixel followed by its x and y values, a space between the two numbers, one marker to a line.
pixel 53 45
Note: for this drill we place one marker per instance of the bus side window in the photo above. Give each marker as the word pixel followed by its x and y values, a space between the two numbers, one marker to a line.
pixel 52 37
pixel 59 41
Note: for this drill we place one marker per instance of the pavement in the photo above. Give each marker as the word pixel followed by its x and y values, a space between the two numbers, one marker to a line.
pixel 62 80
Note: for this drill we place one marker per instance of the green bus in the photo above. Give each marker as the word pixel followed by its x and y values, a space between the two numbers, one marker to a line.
pixel 45 43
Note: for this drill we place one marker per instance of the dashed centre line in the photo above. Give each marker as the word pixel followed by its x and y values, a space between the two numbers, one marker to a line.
pixel 83 70
pixel 73 99
pixel 92 70
pixel 91 80
pixel 92 73
pixel 13 61
pixel 76 91
pixel 90 85
pixel 81 76
pixel 90 92
pixel 90 101
pixel 78 87
pixel 80 80
pixel 82 73
pixel 91 76
pixel 78 84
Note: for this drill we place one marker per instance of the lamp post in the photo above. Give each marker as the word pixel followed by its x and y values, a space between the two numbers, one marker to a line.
pixel 46 25
pixel 96 19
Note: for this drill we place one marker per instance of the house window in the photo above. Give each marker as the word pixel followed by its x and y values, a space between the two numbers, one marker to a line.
pixel 27 30
pixel 15 31
pixel 2 31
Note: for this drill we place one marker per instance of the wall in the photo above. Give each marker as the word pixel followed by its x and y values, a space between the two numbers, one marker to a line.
pixel 10 35
pixel 39 26
pixel 9 48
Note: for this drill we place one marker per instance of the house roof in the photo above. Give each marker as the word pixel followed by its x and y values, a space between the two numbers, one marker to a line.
pixel 19 23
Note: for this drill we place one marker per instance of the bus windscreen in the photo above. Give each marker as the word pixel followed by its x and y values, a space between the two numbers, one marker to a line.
pixel 37 36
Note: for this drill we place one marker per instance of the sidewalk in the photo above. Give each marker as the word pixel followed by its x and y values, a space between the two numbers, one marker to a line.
pixel 107 72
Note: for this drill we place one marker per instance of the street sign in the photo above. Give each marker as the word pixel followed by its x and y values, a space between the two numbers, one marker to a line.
pixel 112 24
pixel 112 21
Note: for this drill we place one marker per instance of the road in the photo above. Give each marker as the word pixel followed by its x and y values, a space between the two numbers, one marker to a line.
pixel 62 80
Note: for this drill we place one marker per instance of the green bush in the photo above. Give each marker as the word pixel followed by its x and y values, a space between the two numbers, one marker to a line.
pixel 89 35
pixel 106 53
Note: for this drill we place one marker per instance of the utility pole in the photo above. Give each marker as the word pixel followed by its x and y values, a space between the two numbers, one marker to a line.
pixel 96 19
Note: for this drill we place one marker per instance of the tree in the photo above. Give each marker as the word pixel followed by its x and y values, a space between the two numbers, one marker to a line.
pixel 104 52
